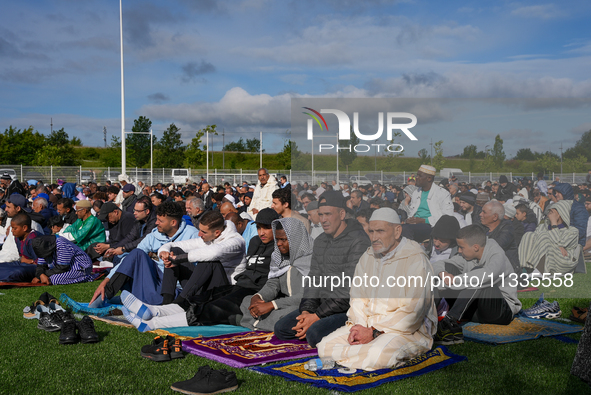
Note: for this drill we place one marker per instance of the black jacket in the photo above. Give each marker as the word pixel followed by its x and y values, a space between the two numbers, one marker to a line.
pixel 507 192
pixel 258 260
pixel 71 217
pixel 122 228
pixel 504 235
pixel 476 215
pixel 333 257
pixel 139 231
pixel 129 203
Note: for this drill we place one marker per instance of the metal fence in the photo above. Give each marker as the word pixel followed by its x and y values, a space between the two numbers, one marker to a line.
pixel 82 175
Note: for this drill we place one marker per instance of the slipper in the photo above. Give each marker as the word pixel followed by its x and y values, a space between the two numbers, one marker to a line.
pixel 41 308
pixel 578 315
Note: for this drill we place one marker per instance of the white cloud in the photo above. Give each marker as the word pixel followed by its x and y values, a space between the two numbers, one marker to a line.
pixel 542 11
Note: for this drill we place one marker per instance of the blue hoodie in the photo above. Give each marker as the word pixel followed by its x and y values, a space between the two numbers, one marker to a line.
pixel 69 191
pixel 578 214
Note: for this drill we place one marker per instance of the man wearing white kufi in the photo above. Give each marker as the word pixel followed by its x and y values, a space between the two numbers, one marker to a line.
pixel 388 323
pixel 428 203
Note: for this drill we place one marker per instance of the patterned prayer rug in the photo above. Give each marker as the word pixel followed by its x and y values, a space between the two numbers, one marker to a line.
pixel 248 348
pixel 520 329
pixel 332 379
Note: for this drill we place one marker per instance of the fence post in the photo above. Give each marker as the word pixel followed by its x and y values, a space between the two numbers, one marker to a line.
pixel 241 181
pixel 573 178
pixel 469 177
pixel 404 177
pixel 51 175
pixel 22 179
pixel 162 176
pixel 511 175
pixel 552 176
pixel 80 175
pixel 215 177
pixel 382 177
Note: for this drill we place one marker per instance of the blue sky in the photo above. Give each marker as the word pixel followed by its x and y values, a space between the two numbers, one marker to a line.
pixel 238 63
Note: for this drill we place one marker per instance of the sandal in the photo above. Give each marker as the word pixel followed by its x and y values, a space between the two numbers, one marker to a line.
pixel 578 315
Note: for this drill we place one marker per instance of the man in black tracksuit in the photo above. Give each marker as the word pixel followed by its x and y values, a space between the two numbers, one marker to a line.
pixel 336 253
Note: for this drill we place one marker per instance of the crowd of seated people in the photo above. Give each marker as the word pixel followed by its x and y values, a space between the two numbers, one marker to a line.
pixel 260 255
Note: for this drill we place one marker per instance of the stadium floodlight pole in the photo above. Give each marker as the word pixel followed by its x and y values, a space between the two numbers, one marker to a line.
pixel 151 157
pixel 338 180
pixel 122 91
pixel 261 149
pixel 207 154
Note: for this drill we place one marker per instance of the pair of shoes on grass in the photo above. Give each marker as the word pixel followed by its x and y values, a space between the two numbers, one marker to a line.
pixel 46 303
pixel 162 349
pixel 208 381
pixel 83 331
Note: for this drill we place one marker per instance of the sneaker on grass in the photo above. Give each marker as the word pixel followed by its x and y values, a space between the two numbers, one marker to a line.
pixel 448 332
pixel 69 335
pixel 158 351
pixel 208 381
pixel 86 330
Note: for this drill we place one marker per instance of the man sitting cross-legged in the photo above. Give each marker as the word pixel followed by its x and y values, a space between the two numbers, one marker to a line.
pixel 335 253
pixel 484 291
pixel 387 324
pixel 220 305
pixel 204 263
pixel 141 271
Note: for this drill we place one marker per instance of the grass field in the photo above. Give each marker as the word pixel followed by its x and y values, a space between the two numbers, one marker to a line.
pixel 33 362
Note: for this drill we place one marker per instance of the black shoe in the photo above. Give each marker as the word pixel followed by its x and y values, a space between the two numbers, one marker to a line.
pixel 175 347
pixel 208 381
pixel 157 351
pixel 448 332
pixel 86 330
pixel 48 322
pixel 69 334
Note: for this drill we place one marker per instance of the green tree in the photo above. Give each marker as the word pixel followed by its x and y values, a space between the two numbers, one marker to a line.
pixel 497 152
pixel 574 165
pixel 470 151
pixel 76 142
pixel 286 156
pixel 58 152
pixel 348 156
pixel 253 145
pixel 58 138
pixel 424 157
pixel 438 159
pixel 170 151
pixel 547 163
pixel 21 146
pixel 111 156
pixel 236 146
pixel 395 154
pixel 582 147
pixel 138 145
pixel 195 152
pixel 525 154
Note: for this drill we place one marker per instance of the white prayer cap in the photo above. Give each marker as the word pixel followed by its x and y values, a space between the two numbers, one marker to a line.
pixel 474 191
pixel 428 169
pixel 385 214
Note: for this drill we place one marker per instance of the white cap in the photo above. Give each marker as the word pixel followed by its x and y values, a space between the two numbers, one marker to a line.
pixel 385 214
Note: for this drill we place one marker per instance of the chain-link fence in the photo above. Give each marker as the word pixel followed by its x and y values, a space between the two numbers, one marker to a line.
pixel 82 175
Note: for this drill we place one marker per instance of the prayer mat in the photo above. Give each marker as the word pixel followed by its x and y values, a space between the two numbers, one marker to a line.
pixel 19 285
pixel 248 348
pixel 118 320
pixel 192 332
pixel 332 379
pixel 520 329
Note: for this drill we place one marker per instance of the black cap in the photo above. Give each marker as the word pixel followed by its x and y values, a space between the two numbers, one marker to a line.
pixel 266 216
pixel 469 198
pixel 44 246
pixel 106 209
pixel 332 198
pixel 446 228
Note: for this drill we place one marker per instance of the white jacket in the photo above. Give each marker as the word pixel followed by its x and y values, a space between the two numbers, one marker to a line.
pixel 438 200
pixel 229 248
pixel 263 196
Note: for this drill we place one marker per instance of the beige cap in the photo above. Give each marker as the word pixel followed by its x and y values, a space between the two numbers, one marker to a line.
pixel 83 204
pixel 428 169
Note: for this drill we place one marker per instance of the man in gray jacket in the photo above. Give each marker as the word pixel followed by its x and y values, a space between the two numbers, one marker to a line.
pixel 481 279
